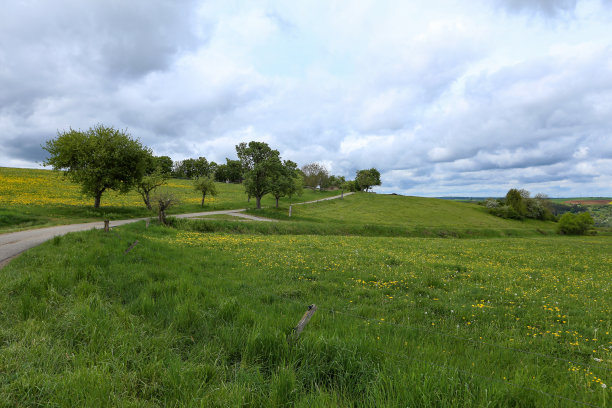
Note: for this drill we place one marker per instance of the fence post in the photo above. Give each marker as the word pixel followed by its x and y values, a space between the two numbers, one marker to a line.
pixel 303 321
pixel 106 225
pixel 290 210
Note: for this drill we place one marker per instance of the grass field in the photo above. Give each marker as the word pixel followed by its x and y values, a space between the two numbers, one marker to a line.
pixel 406 216
pixel 202 319
pixel 37 198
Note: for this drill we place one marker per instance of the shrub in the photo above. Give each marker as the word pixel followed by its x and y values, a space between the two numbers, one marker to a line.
pixel 506 211
pixel 572 224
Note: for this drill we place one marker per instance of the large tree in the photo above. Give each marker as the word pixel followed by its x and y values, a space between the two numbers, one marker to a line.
pixel 260 164
pixel 287 181
pixel 366 179
pixel 99 159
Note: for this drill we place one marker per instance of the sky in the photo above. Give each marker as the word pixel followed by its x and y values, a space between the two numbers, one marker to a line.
pixel 443 97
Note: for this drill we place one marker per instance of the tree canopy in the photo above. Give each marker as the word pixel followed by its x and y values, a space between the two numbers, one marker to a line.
pixel 260 164
pixel 287 181
pixel 366 179
pixel 205 185
pixel 99 159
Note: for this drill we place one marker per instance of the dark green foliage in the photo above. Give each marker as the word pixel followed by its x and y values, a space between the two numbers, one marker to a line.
pixel 366 179
pixel 518 205
pixel 260 164
pixel 230 172
pixel 164 164
pixel 193 168
pixel 575 224
pixel 515 200
pixel 99 159
pixel 286 181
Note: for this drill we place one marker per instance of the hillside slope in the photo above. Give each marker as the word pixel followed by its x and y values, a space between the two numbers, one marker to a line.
pixel 408 213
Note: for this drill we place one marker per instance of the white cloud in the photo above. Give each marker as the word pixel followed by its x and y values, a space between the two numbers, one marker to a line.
pixel 443 98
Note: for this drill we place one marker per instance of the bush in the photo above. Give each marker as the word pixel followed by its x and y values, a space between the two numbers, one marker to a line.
pixel 572 224
pixel 506 211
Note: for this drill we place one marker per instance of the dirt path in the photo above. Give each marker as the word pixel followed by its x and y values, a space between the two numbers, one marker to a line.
pixel 14 243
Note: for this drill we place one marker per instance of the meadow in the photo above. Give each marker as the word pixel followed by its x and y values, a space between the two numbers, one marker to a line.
pixel 205 319
pixel 39 198
pixel 373 214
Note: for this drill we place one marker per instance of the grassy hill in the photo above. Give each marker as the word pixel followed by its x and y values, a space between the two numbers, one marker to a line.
pixel 373 214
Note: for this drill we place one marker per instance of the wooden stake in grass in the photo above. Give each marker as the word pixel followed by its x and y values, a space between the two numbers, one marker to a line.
pixel 106 225
pixel 304 321
pixel 131 247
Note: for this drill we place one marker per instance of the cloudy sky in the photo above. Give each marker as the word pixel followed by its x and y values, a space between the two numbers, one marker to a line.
pixel 444 97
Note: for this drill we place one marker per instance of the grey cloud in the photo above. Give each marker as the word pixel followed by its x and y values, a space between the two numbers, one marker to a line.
pixel 544 7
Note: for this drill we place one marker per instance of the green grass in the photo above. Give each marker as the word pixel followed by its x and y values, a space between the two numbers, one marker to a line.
pixel 388 215
pixel 36 198
pixel 202 319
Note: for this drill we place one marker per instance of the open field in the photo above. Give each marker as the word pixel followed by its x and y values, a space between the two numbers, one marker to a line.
pixel 38 198
pixel 189 318
pixel 406 216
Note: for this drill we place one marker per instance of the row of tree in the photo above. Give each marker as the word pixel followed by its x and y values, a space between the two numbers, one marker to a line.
pixel 316 176
pixel 103 158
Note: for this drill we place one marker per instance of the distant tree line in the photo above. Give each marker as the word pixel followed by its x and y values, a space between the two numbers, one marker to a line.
pixel 317 176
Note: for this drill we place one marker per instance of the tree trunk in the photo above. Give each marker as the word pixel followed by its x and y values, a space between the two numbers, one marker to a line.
pixel 276 202
pixel 203 196
pixel 147 201
pixel 97 200
pixel 258 199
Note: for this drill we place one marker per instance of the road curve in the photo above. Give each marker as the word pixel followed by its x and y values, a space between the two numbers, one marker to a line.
pixel 14 243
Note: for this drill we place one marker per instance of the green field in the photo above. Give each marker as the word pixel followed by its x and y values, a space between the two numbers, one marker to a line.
pixel 39 198
pixel 202 319
pixel 201 313
pixel 406 216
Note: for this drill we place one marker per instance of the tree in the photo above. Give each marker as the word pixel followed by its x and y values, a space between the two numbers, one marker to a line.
pixel 192 168
pixel 315 175
pixel 163 201
pixel 149 183
pixel 231 172
pixel 164 163
pixel 99 159
pixel 205 185
pixel 260 163
pixel 516 201
pixel 366 179
pixel 286 181
pixel 156 174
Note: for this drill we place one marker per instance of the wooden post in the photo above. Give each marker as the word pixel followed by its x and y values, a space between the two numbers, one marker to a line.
pixel 290 210
pixel 106 225
pixel 131 247
pixel 147 223
pixel 304 321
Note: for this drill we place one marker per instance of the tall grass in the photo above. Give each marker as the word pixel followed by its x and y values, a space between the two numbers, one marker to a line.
pixel 203 319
